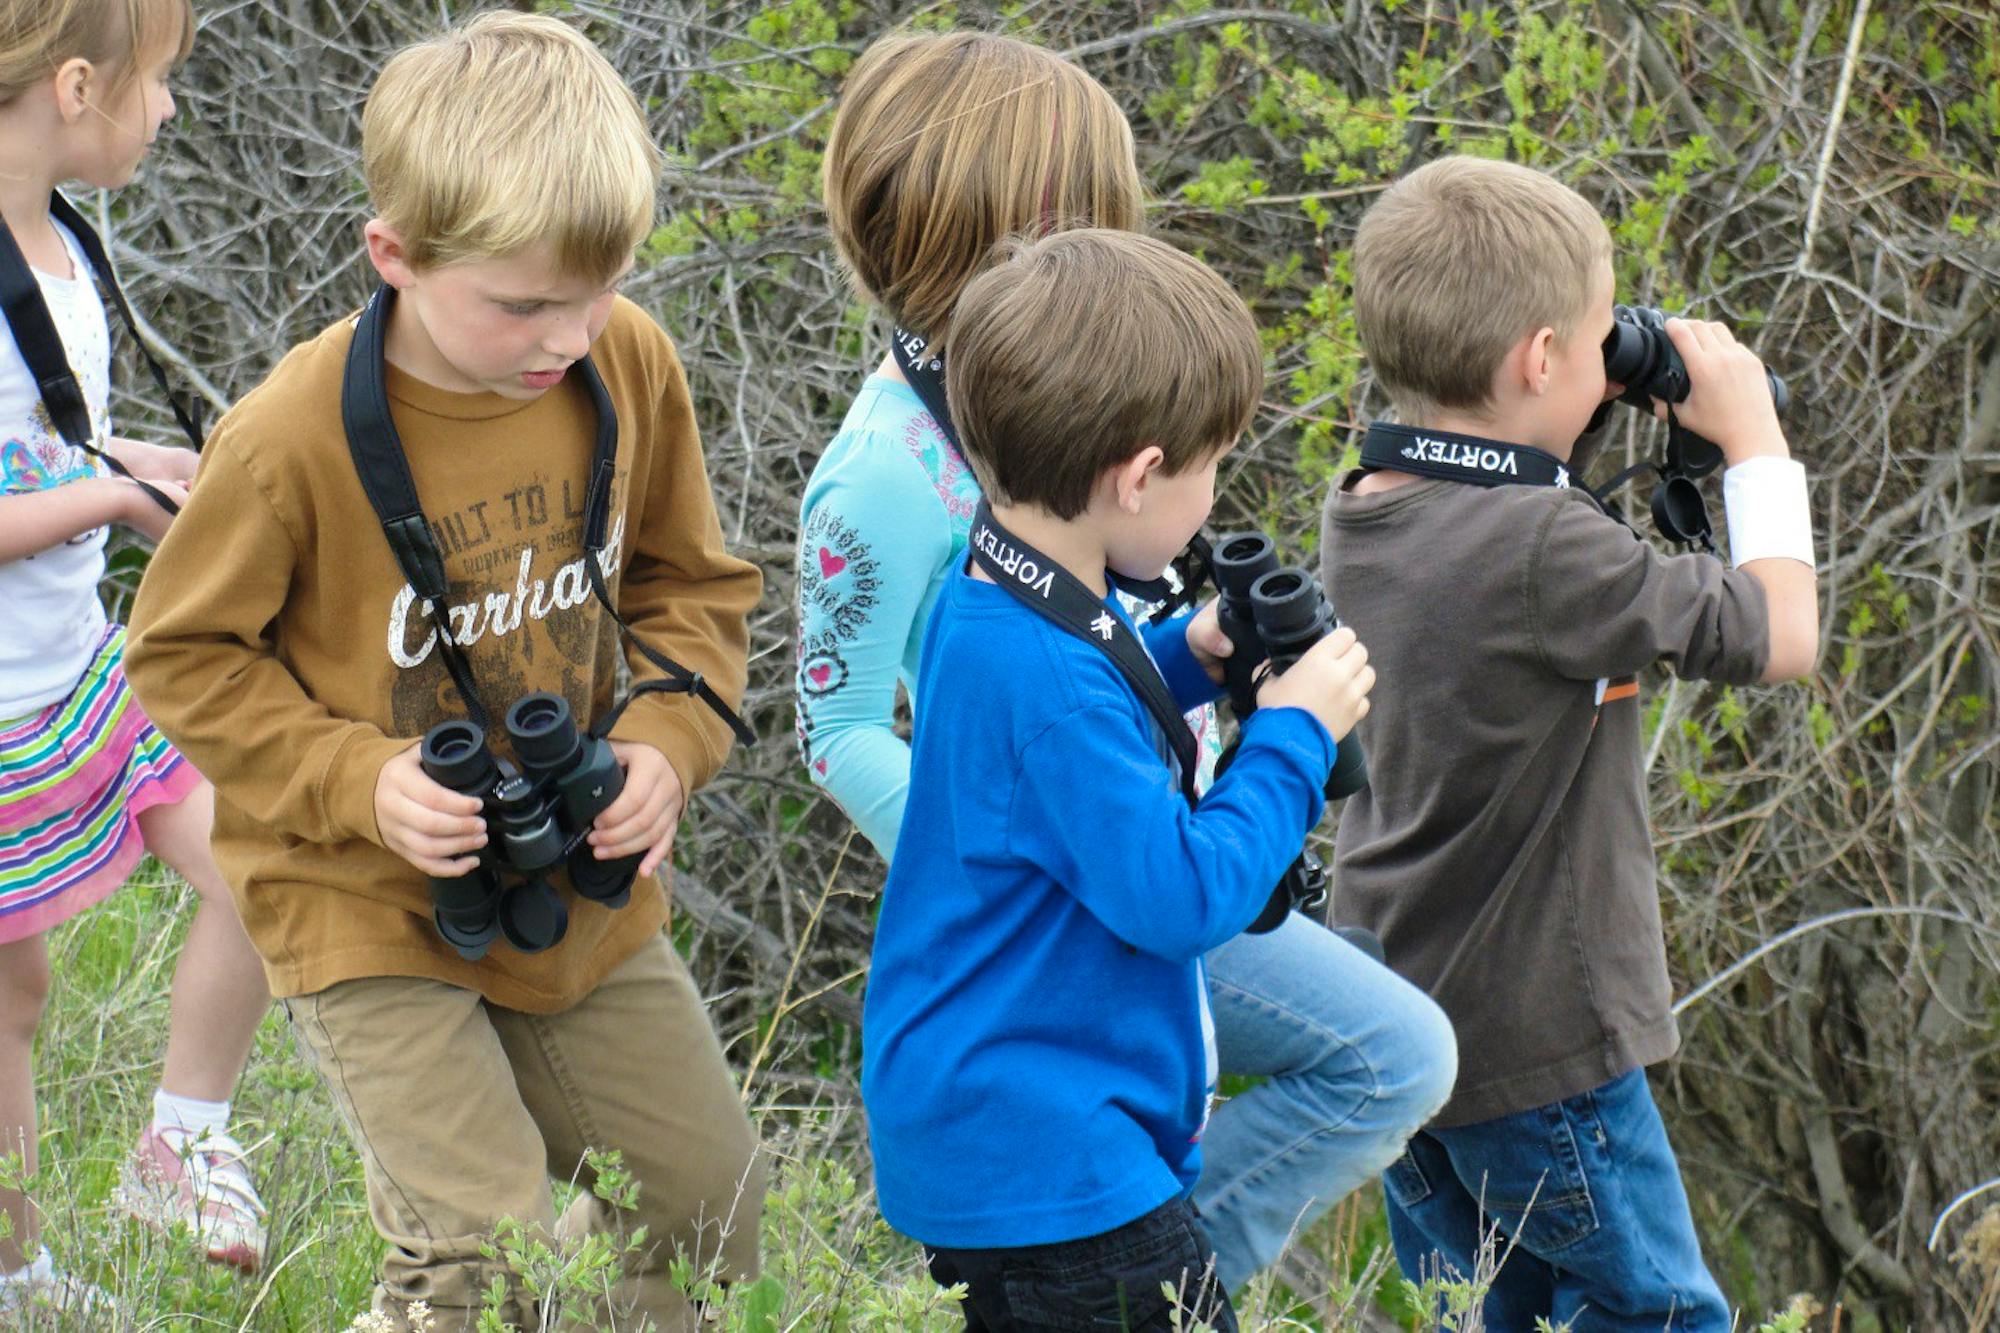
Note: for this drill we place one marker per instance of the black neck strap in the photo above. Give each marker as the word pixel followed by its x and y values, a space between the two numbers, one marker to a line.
pixel 1059 596
pixel 1679 513
pixel 1452 457
pixel 35 333
pixel 384 470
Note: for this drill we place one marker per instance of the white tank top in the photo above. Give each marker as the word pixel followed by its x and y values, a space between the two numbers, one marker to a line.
pixel 50 617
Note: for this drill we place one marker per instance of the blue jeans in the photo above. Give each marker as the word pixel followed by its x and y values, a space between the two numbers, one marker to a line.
pixel 1355 1059
pixel 1588 1190
pixel 1116 1280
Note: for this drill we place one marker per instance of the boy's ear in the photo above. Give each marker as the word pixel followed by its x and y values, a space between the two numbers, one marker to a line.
pixel 1128 479
pixel 386 253
pixel 1537 358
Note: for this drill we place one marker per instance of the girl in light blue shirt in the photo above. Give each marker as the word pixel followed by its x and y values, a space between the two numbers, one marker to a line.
pixel 944 145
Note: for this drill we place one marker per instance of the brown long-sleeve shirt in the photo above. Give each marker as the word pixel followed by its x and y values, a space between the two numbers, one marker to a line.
pixel 278 645
pixel 1502 849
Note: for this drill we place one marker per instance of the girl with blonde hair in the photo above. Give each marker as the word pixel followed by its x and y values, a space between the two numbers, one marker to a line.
pixel 87 786
pixel 944 146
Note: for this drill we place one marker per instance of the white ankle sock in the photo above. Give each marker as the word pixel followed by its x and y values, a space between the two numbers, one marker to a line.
pixel 41 1268
pixel 180 1119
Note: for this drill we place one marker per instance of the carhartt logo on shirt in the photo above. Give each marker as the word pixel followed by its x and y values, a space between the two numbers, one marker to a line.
pixel 500 613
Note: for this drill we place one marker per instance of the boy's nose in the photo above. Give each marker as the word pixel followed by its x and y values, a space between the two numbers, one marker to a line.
pixel 570 339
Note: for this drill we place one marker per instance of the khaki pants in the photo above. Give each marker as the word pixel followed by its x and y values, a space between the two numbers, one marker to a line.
pixel 464 1111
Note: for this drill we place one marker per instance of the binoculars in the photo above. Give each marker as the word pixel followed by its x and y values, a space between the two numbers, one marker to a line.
pixel 537 819
pixel 1274 613
pixel 1639 355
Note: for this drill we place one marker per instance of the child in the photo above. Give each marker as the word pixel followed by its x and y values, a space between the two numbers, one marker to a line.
pixel 944 145
pixel 86 784
pixel 1038 1058
pixel 276 639
pixel 1502 851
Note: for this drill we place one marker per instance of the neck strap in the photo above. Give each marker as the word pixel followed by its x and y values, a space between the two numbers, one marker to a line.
pixel 384 470
pixel 1057 595
pixel 41 346
pixel 1452 457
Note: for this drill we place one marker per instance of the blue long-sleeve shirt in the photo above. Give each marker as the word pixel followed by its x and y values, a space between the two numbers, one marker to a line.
pixel 1037 1058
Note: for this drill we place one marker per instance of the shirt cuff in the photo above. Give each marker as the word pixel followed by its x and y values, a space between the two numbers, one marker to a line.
pixel 347 788
pixel 687 741
pixel 1182 670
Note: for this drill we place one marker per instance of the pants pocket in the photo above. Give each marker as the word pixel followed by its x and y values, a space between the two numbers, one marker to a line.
pixel 1405 1181
pixel 1538 1192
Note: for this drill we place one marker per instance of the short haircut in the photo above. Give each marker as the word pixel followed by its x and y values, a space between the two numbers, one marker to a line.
pixel 509 132
pixel 37 36
pixel 948 143
pixel 1459 260
pixel 1078 350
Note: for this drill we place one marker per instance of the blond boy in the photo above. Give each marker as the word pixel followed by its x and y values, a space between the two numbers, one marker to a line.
pixel 278 642
pixel 1502 850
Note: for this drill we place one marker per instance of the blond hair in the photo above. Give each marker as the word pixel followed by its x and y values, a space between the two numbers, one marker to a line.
pixel 1457 262
pixel 948 143
pixel 1078 350
pixel 37 36
pixel 509 132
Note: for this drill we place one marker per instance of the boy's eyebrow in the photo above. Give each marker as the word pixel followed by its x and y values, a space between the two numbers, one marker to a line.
pixel 540 298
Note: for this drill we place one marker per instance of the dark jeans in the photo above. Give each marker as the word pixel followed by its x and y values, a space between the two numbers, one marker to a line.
pixel 1109 1281
pixel 1588 1192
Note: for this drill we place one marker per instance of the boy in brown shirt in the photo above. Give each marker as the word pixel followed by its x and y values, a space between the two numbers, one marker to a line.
pixel 279 643
pixel 1502 851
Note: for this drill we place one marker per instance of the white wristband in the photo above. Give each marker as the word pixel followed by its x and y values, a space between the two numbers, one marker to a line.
pixel 1769 518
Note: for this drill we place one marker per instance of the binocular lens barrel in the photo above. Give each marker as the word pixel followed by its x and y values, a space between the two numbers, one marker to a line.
pixel 1291 614
pixel 1639 355
pixel 543 731
pixel 454 754
pixel 1242 558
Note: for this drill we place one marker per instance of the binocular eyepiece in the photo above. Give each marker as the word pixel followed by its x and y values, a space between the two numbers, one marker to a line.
pixel 1639 355
pixel 537 818
pixel 1276 613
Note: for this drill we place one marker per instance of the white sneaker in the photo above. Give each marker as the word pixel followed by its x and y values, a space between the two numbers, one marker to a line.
pixel 41 1290
pixel 204 1187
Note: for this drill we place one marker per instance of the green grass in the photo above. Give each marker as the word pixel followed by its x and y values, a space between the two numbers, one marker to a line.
pixel 830 1262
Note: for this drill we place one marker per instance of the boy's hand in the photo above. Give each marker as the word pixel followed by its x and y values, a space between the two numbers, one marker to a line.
pixel 1729 399
pixel 646 813
pixel 143 514
pixel 429 825
pixel 1206 640
pixel 1331 682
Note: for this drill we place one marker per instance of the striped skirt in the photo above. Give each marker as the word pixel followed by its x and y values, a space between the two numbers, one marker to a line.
pixel 73 779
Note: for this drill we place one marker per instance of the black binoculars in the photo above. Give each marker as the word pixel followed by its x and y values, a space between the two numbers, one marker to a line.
pixel 1274 613
pixel 537 820
pixel 1639 355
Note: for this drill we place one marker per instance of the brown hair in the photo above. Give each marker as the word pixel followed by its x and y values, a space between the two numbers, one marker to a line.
pixel 1080 349
pixel 509 132
pixel 1457 262
pixel 37 36
pixel 948 143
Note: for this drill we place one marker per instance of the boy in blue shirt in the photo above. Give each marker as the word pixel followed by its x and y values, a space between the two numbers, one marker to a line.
pixel 1039 1059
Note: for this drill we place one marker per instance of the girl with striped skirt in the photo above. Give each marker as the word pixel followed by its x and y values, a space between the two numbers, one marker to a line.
pixel 87 786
